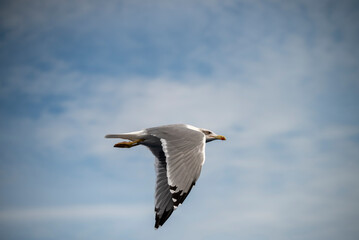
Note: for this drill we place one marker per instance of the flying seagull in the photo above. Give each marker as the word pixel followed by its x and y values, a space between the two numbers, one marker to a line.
pixel 180 152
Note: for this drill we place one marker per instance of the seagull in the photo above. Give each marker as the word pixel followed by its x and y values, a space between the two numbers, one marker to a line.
pixel 179 151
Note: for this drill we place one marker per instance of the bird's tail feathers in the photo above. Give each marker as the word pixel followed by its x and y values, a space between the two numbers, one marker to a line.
pixel 131 136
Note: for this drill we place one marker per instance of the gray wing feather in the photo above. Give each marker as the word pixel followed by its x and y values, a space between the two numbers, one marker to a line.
pixel 163 197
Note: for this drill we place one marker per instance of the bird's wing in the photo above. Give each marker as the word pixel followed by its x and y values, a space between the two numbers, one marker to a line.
pixel 163 197
pixel 184 152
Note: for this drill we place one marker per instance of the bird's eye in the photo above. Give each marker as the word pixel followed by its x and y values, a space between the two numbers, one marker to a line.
pixel 207 132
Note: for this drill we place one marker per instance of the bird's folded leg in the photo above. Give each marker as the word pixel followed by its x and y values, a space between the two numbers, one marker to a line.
pixel 128 144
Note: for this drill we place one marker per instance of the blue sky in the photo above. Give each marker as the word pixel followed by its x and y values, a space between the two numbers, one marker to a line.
pixel 278 78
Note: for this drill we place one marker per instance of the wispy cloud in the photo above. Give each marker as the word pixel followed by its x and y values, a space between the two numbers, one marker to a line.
pixel 81 212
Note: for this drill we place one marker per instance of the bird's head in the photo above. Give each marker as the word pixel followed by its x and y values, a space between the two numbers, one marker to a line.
pixel 210 136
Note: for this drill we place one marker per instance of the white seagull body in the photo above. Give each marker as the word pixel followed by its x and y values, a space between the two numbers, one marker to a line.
pixel 180 153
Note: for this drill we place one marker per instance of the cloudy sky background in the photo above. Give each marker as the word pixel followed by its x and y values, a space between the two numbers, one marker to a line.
pixel 278 78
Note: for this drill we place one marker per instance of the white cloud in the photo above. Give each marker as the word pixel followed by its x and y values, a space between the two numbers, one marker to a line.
pixel 81 212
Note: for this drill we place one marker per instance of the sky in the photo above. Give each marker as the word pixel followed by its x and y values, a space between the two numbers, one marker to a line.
pixel 279 79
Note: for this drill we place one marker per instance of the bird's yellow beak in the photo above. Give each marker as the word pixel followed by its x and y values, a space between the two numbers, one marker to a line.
pixel 220 137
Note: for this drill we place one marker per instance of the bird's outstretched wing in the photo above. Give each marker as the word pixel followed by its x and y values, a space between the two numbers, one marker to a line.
pixel 178 165
pixel 163 197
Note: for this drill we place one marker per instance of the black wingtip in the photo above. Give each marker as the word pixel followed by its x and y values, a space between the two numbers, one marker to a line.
pixel 179 197
pixel 160 220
